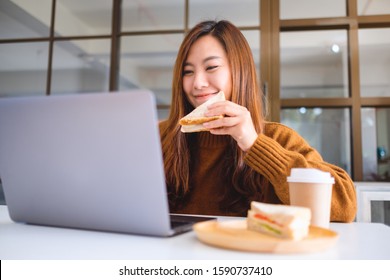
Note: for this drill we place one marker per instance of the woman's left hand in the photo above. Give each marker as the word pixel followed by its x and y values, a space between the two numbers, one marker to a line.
pixel 237 123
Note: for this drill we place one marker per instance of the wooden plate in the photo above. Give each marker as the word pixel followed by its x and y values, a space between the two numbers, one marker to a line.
pixel 234 235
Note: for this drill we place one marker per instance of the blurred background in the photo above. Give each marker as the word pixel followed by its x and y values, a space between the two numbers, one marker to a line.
pixel 323 64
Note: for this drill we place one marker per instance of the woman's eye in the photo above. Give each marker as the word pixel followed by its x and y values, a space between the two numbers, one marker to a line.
pixel 211 67
pixel 187 72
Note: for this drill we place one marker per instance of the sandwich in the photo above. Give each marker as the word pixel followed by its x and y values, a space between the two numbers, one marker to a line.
pixel 283 221
pixel 194 120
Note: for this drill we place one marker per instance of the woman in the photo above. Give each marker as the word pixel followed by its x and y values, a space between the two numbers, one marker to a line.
pixel 242 158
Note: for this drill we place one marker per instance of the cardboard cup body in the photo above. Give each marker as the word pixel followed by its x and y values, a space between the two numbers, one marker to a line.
pixel 316 196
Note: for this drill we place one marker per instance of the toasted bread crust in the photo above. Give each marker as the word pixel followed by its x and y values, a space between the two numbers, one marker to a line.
pixel 192 121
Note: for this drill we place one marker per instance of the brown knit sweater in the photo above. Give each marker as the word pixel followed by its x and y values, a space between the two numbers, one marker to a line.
pixel 274 153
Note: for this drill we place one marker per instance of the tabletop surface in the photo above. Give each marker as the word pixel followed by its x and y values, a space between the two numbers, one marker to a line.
pixel 21 241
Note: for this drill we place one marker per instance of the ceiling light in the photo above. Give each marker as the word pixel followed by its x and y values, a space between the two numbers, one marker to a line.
pixel 317 111
pixel 335 48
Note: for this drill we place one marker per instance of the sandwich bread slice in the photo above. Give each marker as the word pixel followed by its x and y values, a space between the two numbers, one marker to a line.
pixel 194 120
pixel 283 221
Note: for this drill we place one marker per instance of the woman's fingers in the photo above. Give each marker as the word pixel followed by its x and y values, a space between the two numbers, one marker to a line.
pixel 224 108
pixel 236 122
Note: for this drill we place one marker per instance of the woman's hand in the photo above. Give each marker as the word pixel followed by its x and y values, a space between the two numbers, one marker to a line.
pixel 237 123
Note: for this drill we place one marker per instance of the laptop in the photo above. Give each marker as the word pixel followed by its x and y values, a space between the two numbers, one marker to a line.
pixel 88 161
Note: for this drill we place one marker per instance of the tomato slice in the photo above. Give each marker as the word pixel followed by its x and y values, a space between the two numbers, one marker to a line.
pixel 262 217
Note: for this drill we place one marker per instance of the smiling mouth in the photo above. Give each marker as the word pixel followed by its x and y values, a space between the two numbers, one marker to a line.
pixel 203 98
pixel 200 96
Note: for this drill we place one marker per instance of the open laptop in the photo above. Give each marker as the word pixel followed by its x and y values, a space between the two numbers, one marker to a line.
pixel 90 161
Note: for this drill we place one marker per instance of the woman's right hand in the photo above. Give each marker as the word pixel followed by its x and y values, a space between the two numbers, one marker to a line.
pixel 237 122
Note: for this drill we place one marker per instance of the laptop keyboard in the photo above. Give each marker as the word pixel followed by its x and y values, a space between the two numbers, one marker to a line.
pixel 185 220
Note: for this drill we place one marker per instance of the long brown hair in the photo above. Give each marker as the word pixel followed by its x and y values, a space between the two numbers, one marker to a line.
pixel 245 92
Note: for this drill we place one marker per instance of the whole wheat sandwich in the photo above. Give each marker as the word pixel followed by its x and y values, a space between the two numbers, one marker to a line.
pixel 283 221
pixel 194 120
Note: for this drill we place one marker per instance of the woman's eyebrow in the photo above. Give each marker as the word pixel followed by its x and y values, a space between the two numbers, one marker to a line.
pixel 204 60
pixel 211 58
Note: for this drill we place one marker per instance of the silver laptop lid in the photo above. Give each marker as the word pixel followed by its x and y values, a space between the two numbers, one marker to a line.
pixel 86 161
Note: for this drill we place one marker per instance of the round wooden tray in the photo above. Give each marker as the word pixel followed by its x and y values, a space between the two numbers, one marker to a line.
pixel 234 235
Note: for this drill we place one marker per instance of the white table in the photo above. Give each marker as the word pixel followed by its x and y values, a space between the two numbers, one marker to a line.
pixel 20 241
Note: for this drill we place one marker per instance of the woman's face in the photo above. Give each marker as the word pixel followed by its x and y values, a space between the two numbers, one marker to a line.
pixel 206 71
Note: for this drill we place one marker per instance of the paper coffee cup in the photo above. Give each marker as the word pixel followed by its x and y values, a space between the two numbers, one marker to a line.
pixel 312 188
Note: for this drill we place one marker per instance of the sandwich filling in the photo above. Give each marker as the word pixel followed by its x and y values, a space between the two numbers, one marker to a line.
pixel 198 120
pixel 281 221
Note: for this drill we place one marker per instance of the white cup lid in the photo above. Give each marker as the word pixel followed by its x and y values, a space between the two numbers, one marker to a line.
pixel 310 175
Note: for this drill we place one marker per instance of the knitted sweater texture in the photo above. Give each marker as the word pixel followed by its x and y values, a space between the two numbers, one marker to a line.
pixel 275 151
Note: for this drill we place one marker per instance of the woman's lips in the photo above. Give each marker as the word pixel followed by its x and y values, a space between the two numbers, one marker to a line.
pixel 203 97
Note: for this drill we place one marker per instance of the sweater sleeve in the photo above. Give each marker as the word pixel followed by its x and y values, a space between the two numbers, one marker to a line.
pixel 280 148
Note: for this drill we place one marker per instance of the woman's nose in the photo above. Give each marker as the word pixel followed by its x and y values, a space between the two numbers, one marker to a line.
pixel 200 81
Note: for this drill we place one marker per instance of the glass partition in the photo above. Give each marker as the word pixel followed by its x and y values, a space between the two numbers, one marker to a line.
pixel 300 9
pixel 147 62
pixel 80 66
pixel 24 19
pixel 253 38
pixel 244 13
pixel 23 69
pixel 376 144
pixel 314 64
pixel 151 15
pixel 327 130
pixel 374 55
pixel 376 7
pixel 76 18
